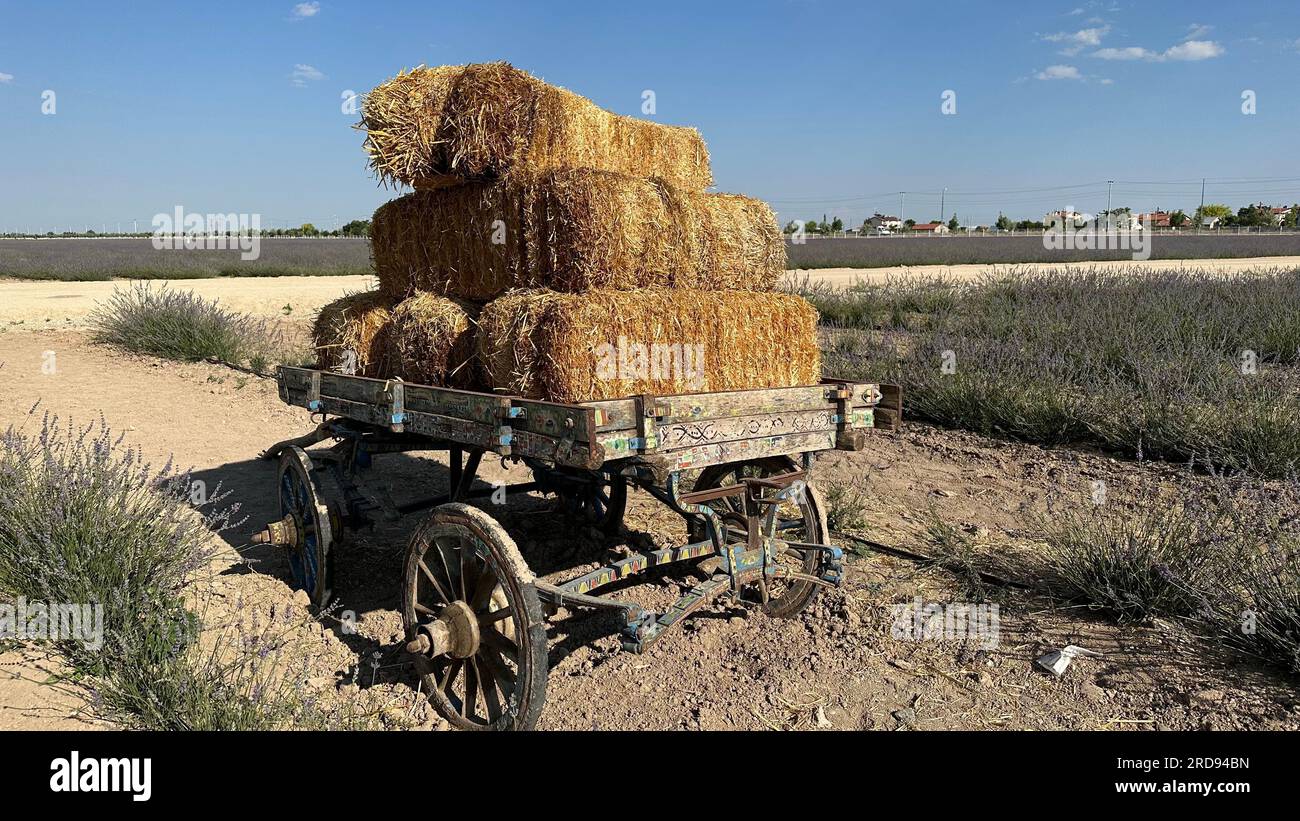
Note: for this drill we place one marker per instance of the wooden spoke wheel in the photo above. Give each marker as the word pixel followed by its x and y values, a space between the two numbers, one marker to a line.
pixel 804 521
pixel 308 528
pixel 474 622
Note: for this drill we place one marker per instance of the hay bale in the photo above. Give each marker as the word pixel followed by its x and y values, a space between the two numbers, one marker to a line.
pixel 433 341
pixel 605 344
pixel 571 231
pixel 351 334
pixel 483 120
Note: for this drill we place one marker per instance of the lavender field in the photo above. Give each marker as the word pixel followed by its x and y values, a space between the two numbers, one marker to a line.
pixel 1175 365
pixel 80 260
pixel 883 252
pixel 135 258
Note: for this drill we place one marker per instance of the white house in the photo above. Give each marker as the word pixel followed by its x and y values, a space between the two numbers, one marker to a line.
pixel 1057 220
pixel 879 222
pixel 1119 222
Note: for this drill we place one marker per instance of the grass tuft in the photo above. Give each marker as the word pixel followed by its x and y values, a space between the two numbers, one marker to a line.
pixel 183 326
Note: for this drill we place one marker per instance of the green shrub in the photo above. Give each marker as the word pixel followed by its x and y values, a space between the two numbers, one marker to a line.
pixel 180 325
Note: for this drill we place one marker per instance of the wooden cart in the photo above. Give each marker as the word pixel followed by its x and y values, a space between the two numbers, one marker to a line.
pixel 472 609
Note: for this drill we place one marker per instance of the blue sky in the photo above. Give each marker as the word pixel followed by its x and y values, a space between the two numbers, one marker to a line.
pixel 817 107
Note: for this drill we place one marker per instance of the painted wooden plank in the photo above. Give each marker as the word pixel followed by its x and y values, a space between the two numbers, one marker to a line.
pixel 554 419
pixel 709 431
pixel 484 408
pixel 740 450
pixel 620 414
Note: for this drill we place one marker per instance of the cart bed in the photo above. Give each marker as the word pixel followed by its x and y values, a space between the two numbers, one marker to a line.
pixel 666 433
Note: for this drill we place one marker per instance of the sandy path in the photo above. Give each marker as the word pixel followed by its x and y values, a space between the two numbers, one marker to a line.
pixel 961 273
pixel 67 304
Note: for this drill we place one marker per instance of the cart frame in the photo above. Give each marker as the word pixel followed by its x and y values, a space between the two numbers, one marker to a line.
pixel 742 534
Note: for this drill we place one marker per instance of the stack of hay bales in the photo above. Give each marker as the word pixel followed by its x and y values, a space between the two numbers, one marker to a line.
pixel 556 250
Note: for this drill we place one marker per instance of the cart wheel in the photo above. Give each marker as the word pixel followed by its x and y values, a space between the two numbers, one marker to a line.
pixel 312 533
pixel 474 622
pixel 595 499
pixel 802 522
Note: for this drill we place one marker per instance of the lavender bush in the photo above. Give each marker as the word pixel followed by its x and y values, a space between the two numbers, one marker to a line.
pixel 1224 556
pixel 180 325
pixel 85 520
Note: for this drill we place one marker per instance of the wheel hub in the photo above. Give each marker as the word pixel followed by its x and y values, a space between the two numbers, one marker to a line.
pixel 455 632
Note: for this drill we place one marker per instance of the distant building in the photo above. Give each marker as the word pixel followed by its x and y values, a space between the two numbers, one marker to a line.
pixel 1057 220
pixel 930 228
pixel 878 222
pixel 1156 219
pixel 1209 222
pixel 1279 215
pixel 1120 221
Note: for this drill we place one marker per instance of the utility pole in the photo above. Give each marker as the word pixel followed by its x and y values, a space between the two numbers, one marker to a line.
pixel 902 198
pixel 1200 212
pixel 942 197
pixel 1109 183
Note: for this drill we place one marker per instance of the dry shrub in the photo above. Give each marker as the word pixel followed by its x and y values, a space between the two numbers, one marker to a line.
pixel 432 341
pixel 358 323
pixel 483 120
pixel 566 347
pixel 571 231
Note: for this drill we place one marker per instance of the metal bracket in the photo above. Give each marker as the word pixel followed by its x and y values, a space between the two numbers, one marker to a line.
pixel 397 413
pixel 313 393
pixel 649 411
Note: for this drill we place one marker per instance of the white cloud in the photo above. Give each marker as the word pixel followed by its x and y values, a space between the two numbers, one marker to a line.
pixel 6 78
pixel 1190 51
pixel 1197 30
pixel 1194 50
pixel 1059 73
pixel 305 10
pixel 1076 12
pixel 303 73
pixel 1129 53
pixel 1076 41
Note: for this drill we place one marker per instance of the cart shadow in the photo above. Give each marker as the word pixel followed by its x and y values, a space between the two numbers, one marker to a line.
pixel 368 561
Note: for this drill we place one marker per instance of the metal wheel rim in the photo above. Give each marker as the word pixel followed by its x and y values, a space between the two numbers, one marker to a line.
pixel 482 688
pixel 299 498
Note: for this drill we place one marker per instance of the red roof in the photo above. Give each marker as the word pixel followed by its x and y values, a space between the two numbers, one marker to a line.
pixel 926 226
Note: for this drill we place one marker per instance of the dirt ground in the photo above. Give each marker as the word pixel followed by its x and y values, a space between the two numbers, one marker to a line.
pixel 49 304
pixel 839 665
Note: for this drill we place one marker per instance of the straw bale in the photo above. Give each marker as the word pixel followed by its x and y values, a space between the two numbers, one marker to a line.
pixel 573 231
pixel 483 120
pixel 606 344
pixel 358 323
